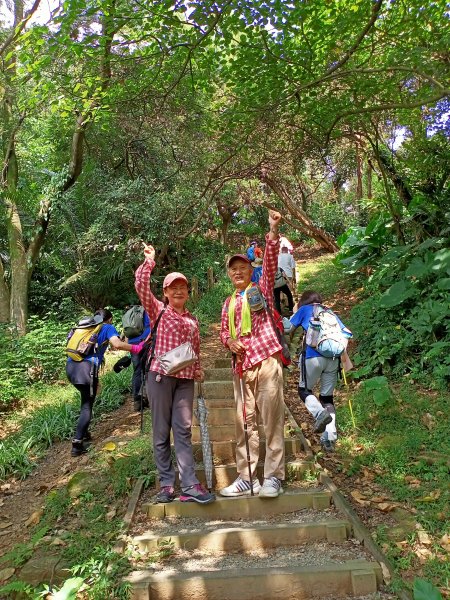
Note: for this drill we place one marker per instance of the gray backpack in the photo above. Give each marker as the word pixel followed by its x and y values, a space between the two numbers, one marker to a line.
pixel 133 322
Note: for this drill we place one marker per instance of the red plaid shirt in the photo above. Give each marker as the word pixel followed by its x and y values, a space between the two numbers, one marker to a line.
pixel 263 341
pixel 173 329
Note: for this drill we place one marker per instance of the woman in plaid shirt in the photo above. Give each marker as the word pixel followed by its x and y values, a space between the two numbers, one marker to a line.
pixel 251 337
pixel 172 396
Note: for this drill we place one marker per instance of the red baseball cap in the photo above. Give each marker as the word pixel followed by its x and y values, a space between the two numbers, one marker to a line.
pixel 238 257
pixel 171 277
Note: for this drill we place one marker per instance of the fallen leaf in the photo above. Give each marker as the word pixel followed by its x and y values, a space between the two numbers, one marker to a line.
pixel 378 499
pixel 429 421
pixel 109 447
pixel 445 542
pixel 385 506
pixel 423 537
pixel 359 498
pixel 58 542
pixel 432 497
pixel 6 573
pixel 5 524
pixel 111 514
pixel 35 518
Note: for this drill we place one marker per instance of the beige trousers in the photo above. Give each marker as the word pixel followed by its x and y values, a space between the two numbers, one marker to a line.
pixel 263 394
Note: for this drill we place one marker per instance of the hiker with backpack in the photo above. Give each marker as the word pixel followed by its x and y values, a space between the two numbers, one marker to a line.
pixel 249 331
pixel 136 329
pixel 325 341
pixel 281 286
pixel 86 346
pixel 173 365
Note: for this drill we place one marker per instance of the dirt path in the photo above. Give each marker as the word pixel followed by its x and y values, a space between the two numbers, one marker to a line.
pixel 20 499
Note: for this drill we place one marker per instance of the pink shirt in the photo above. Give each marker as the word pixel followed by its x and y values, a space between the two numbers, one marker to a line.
pixel 173 328
pixel 263 341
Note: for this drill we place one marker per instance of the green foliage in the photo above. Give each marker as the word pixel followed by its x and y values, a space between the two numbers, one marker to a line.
pixel 54 420
pixel 424 590
pixel 378 387
pixel 36 357
pixel 404 323
pixel 361 246
pixel 209 307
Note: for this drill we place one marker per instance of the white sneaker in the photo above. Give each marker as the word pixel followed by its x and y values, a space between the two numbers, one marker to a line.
pixel 241 487
pixel 271 488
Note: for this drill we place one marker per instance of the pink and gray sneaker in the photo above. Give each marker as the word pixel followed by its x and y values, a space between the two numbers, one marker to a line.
pixel 197 493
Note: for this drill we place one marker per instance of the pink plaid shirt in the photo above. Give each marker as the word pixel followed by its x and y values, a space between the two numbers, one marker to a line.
pixel 263 341
pixel 173 329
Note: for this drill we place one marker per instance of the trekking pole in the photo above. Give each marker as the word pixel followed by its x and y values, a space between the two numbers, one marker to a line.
pixel 244 417
pixel 142 402
pixel 344 378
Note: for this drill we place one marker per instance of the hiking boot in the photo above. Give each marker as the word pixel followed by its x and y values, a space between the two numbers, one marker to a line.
pixel 78 448
pixel 241 487
pixel 271 488
pixel 166 494
pixel 197 493
pixel 328 445
pixel 322 421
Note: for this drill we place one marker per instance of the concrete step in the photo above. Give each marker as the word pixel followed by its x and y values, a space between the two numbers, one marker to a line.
pixel 246 507
pixel 224 475
pixel 223 363
pixel 219 374
pixel 224 433
pixel 350 578
pixel 218 416
pixel 225 452
pixel 218 389
pixel 244 539
pixel 218 433
pixel 218 403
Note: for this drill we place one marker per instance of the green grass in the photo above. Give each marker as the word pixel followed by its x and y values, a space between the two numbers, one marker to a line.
pixel 85 512
pixel 391 440
pixel 321 275
pixel 48 414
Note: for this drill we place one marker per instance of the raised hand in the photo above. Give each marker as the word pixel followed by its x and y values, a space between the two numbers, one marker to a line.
pixel 274 221
pixel 149 252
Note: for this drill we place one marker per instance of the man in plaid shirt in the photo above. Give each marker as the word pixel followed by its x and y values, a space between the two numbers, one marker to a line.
pixel 251 337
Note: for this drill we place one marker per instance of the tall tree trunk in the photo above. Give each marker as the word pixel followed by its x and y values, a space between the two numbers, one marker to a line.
pixel 322 237
pixel 359 182
pixel 369 171
pixel 4 296
pixel 226 221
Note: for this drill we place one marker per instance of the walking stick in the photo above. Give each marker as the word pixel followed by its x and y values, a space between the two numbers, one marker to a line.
pixel 239 371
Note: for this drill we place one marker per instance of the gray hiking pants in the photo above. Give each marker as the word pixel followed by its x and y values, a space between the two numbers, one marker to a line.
pixel 319 368
pixel 172 402
pixel 325 370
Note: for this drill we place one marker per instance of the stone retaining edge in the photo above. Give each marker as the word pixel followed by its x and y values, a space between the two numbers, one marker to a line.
pixel 120 545
pixel 361 532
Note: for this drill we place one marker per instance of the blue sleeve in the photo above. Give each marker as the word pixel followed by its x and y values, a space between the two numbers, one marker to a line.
pixel 108 331
pixel 251 253
pixel 146 320
pixel 302 317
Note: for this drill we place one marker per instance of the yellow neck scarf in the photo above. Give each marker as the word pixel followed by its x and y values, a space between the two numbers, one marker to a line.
pixel 246 323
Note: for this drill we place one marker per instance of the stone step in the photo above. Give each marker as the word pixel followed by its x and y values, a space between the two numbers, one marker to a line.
pixel 223 363
pixel 225 452
pixel 218 433
pixel 218 403
pixel 218 389
pixel 218 416
pixel 245 539
pixel 219 374
pixel 224 475
pixel 350 578
pixel 224 433
pixel 244 507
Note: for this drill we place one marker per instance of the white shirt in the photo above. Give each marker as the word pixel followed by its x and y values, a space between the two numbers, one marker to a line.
pixel 285 243
pixel 287 263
